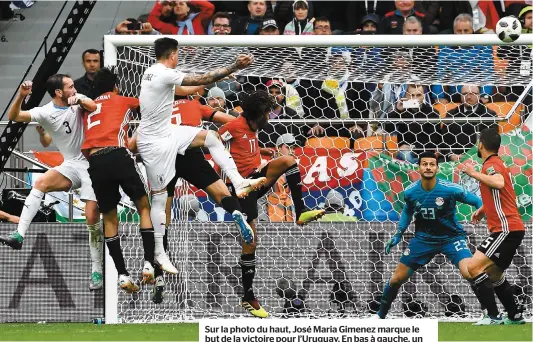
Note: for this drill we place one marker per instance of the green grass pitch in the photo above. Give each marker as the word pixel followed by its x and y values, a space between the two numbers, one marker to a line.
pixel 189 332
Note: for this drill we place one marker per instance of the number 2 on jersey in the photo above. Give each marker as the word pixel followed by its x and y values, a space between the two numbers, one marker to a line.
pixel 91 124
pixel 428 213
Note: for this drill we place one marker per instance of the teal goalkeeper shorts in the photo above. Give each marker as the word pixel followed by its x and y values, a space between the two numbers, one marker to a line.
pixel 420 252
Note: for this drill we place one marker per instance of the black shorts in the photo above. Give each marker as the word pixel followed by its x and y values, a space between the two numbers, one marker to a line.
pixel 249 203
pixel 110 170
pixel 501 247
pixel 193 168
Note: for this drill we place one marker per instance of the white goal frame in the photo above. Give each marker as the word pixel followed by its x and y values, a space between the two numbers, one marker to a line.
pixel 111 42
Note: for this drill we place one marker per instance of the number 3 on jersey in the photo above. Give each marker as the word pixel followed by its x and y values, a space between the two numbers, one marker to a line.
pixel 428 213
pixel 90 122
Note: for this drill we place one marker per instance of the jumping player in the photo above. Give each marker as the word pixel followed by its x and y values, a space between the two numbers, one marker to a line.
pixel 240 136
pixel 159 141
pixel 432 202
pixel 507 231
pixel 106 131
pixel 62 119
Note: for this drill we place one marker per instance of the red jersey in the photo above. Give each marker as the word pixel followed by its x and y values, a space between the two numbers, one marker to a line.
pixel 190 113
pixel 108 124
pixel 243 145
pixel 500 205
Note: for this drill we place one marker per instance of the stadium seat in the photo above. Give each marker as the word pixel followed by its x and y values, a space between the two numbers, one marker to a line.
pixel 376 143
pixel 502 109
pixel 328 142
pixel 442 109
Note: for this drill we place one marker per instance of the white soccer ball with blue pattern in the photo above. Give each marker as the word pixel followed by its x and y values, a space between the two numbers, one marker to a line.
pixel 508 29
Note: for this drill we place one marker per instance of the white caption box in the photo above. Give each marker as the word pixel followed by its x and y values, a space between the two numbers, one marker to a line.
pixel 319 330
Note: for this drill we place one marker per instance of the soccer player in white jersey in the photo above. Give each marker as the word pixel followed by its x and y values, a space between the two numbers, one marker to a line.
pixel 159 141
pixel 62 119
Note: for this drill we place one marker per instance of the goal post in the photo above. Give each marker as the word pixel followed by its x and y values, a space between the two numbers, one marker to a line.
pixel 337 267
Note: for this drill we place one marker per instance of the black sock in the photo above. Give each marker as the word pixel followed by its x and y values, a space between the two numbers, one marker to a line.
pixel 485 293
pixel 248 273
pixel 476 293
pixel 165 240
pixel 230 204
pixel 294 179
pixel 113 243
pixel 148 244
pixel 505 293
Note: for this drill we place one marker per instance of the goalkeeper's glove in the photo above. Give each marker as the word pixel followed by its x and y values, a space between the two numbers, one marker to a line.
pixel 396 238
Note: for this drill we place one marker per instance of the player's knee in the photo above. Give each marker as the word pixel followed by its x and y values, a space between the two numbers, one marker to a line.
pixel 397 280
pixel 42 185
pixel 249 248
pixel 474 269
pixel 288 161
pixel 92 214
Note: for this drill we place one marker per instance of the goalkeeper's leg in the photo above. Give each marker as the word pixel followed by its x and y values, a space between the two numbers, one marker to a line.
pixel 400 276
pixel 287 165
pixel 247 263
pixel 112 241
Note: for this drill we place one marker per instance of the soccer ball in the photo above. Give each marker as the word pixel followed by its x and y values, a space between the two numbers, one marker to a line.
pixel 508 29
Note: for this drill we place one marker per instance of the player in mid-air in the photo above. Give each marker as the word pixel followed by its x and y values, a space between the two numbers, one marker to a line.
pixel 240 135
pixel 191 166
pixel 62 119
pixel 432 202
pixel 159 141
pixel 496 252
pixel 105 146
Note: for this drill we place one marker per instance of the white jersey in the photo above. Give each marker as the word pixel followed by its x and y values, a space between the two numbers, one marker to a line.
pixel 156 100
pixel 65 126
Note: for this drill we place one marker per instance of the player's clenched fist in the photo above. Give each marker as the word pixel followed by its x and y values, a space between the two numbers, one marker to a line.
pixel 396 238
pixel 76 99
pixel 244 61
pixel 25 88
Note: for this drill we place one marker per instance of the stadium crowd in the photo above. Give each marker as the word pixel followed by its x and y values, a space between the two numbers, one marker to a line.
pixel 359 83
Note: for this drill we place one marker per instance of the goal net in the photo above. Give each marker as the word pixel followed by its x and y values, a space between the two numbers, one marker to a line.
pixel 361 109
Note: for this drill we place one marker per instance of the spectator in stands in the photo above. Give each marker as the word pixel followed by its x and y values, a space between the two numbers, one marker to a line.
pixel 91 63
pixel 369 24
pixel 414 137
pixel 272 131
pixel 393 21
pixel 221 24
pixel 301 24
pixel 422 60
pixel 162 17
pixel 431 10
pixel 191 17
pixel 455 63
pixel 412 26
pixel 321 26
pixel 460 137
pixel 251 24
pixel 269 28
pixel 134 26
pixel 216 99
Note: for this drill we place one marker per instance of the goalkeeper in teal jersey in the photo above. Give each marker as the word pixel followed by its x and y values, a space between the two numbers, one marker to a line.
pixel 432 202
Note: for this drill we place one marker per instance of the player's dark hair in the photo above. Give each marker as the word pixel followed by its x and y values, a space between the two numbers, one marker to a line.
pixel 104 81
pixel 491 139
pixel 90 52
pixel 54 83
pixel 256 104
pixel 427 154
pixel 163 47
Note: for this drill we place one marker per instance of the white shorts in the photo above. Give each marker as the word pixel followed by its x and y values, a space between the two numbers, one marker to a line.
pixel 76 172
pixel 159 157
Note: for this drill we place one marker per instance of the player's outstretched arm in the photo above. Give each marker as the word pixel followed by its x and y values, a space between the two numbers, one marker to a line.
pixel 222 118
pixel 82 100
pixel 405 219
pixel 493 180
pixel 241 62
pixel 466 197
pixel 189 90
pixel 15 113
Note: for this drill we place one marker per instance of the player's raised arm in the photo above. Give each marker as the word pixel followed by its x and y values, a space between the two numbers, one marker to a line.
pixel 493 178
pixel 403 224
pixel 241 62
pixel 15 113
pixel 83 101
pixel 189 90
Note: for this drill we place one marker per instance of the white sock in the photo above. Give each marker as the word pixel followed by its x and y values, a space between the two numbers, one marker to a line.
pixel 96 243
pixel 159 218
pixel 222 157
pixel 30 209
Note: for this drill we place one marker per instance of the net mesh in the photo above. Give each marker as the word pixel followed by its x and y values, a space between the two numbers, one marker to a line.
pixel 363 126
